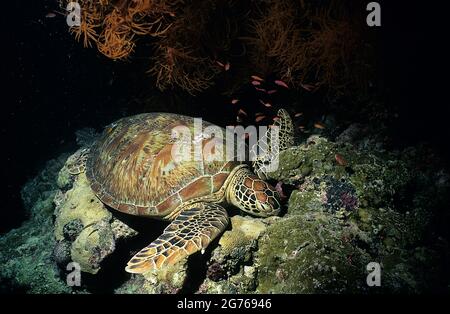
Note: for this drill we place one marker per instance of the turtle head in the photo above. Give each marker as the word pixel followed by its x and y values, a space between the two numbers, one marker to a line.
pixel 253 195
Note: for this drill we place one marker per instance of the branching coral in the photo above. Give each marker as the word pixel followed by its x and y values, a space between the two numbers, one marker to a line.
pixel 312 43
pixel 113 25
pixel 116 39
pixel 180 32
pixel 90 22
pixel 185 56
pixel 307 44
pixel 178 67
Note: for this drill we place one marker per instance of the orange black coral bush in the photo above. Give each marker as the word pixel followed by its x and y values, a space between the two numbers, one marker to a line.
pixel 308 45
pixel 303 42
pixel 113 25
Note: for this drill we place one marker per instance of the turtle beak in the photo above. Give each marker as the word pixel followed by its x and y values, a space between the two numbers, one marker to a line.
pixel 270 208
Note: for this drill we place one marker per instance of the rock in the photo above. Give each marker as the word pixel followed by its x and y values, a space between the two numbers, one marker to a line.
pixel 229 261
pixel 121 230
pixel 327 184
pixel 26 253
pixel 61 253
pixel 217 287
pixel 92 246
pixel 243 231
pixel 351 134
pixel 168 280
pixel 236 247
pixel 367 201
pixel 72 229
pixel 375 206
pixel 81 206
pixel 83 220
pixel 306 254
pixel 38 192
pixel 65 179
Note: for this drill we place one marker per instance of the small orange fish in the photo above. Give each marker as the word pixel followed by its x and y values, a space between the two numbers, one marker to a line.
pixel 245 136
pixel 298 114
pixel 281 83
pixel 260 89
pixel 340 160
pixel 259 118
pixel 259 114
pixel 266 104
pixel 257 78
pixel 234 101
pixel 242 113
pixel 256 83
pixel 220 64
pixel 319 125
pixel 276 118
pixel 307 87
pixel 227 66
pixel 272 91
pixel 50 15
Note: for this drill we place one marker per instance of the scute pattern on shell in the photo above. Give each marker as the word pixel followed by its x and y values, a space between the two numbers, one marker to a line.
pixel 131 168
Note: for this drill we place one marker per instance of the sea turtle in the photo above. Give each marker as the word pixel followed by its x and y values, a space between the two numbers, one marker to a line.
pixel 131 168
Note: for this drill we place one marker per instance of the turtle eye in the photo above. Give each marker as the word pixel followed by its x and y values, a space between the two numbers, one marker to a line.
pixel 267 209
pixel 267 204
pixel 275 205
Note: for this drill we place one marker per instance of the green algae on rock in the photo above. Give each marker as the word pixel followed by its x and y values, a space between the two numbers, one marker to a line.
pixel 368 202
pixel 26 253
pixel 89 227
pixel 307 254
pixel 374 207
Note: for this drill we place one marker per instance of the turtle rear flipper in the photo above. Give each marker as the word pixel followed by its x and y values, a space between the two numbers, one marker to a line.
pixel 193 229
pixel 76 163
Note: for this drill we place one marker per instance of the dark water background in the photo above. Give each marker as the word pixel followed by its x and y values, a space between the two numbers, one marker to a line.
pixel 52 87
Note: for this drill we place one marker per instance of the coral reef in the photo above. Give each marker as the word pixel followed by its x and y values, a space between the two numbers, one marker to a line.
pixel 351 204
pixel 306 254
pixel 230 266
pixel 85 225
pixel 26 253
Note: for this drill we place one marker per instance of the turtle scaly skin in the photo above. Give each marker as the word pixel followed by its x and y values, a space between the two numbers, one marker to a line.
pixel 131 168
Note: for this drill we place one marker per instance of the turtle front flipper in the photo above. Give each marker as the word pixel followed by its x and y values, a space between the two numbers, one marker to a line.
pixel 267 149
pixel 286 129
pixel 191 231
